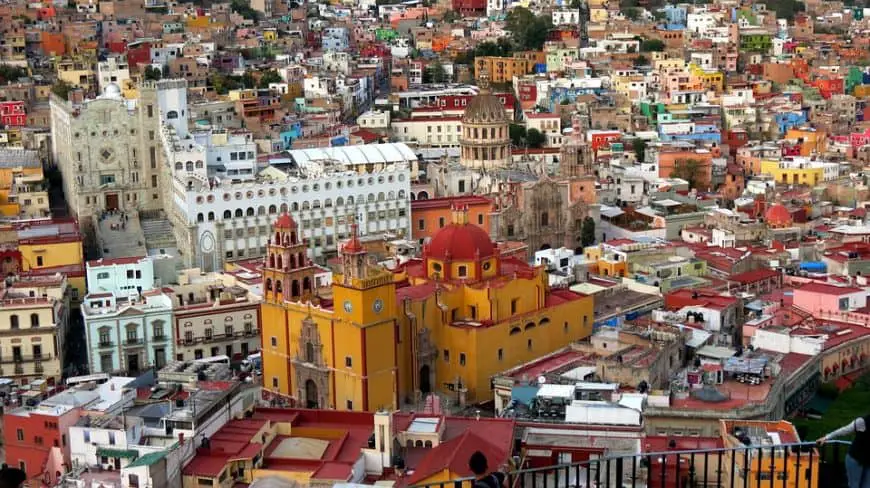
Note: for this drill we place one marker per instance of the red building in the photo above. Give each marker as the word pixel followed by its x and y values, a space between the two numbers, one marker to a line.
pixel 602 138
pixel 30 433
pixel 829 86
pixel 470 7
pixel 459 102
pixel 13 114
pixel 138 53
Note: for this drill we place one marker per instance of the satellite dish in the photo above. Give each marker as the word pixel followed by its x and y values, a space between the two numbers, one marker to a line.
pixel 542 380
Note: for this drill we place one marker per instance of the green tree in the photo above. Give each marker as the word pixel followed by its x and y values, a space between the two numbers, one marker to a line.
pixel 631 13
pixel 650 45
pixel 243 8
pixel 534 138
pixel 517 134
pixel 687 169
pixel 439 74
pixel 785 8
pixel 270 76
pixel 587 232
pixel 9 74
pixel 639 146
pixel 451 16
pixel 152 73
pixel 62 89
pixel 529 31
pixel 641 61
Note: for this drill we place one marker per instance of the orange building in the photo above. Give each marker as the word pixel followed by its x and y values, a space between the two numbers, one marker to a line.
pixel 778 466
pixel 810 139
pixel 670 159
pixel 53 43
pixel 430 216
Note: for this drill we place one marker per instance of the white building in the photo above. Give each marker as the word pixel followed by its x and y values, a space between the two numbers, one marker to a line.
pixel 430 131
pixel 374 120
pixel 566 17
pixel 120 276
pixel 113 70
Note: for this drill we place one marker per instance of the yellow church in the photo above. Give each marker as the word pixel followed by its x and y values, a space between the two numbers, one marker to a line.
pixel 380 338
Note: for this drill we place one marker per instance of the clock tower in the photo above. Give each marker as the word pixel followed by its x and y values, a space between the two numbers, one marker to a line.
pixel 365 306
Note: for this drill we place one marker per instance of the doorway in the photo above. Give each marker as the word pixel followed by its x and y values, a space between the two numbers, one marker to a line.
pixel 160 357
pixel 425 385
pixel 112 201
pixel 310 394
pixel 132 363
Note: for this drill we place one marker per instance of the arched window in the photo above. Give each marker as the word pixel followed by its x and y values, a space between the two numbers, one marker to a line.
pixel 34 320
pixel 327 203
pixel 401 194
pixel 179 166
pixel 515 331
pixel 350 200
pixel 280 262
pixel 268 284
pixel 278 287
pixel 250 212
pixel 371 197
pixel 339 202
pixel 315 204
pixel 544 321
pixel 381 196
pixel 228 214
pixel 530 326
pixel 306 205
pixel 273 210
pixel 210 216
pixel 306 284
pixel 172 114
pixel 200 217
pixel 294 206
pixel 271 260
pixel 13 322
pixel 261 210
pixel 294 288
pixel 189 165
pixel 239 212
pixel 199 165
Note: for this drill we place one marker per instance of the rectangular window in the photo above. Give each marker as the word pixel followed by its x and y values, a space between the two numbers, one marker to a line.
pixel 19 434
pixel 446 356
pixel 421 224
pixel 87 435
pixel 462 359
pixel 154 182
pixel 500 354
pixel 514 305
pixel 130 274
pixel 348 362
pixel 274 341
pixel 350 404
pixel 150 110
pixel 274 382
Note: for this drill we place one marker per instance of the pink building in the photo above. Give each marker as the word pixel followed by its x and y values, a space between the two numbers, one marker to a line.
pixel 822 298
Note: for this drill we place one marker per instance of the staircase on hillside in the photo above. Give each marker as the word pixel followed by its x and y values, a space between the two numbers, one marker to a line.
pixel 158 233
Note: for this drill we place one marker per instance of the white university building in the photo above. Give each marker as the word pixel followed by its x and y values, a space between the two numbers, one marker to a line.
pixel 222 202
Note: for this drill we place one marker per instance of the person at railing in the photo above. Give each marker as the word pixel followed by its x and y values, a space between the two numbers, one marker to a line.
pixel 482 478
pixel 858 457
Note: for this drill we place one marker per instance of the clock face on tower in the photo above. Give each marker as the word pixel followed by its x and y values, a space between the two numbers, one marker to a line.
pixel 378 305
pixel 348 307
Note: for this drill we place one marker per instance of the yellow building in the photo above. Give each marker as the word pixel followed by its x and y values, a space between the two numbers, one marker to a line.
pixel 454 318
pixel 793 172
pixel 23 192
pixel 502 69
pixel 778 466
pixel 77 72
pixel 47 247
pixel 709 79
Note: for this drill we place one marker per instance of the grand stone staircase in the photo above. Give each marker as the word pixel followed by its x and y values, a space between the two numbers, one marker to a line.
pixel 158 234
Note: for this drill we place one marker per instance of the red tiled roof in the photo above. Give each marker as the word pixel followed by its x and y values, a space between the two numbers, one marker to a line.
pixel 753 276
pixel 826 289
pixel 453 456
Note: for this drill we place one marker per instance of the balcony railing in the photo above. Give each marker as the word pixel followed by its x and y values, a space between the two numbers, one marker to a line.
pixel 104 344
pixel 138 341
pixel 798 465
pixel 25 358
pixel 217 337
pixel 159 338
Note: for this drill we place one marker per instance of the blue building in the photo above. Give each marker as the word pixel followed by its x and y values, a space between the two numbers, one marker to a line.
pixel 675 14
pixel 789 120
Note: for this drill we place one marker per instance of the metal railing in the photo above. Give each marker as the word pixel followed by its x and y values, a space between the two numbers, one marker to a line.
pixel 796 465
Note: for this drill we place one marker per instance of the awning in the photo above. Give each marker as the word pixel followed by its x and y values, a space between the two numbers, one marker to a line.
pixel 117 453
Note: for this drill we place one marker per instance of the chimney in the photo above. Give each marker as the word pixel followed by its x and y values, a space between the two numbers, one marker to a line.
pixel 181 438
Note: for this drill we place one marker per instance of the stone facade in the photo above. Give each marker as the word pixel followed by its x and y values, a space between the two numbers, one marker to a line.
pixel 107 149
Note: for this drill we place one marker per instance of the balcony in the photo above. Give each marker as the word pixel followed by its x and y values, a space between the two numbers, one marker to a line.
pixel 159 338
pixel 134 342
pixel 105 344
pixel 799 465
pixel 26 358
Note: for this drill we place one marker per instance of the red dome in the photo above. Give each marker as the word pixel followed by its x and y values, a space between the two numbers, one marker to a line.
pixel 464 242
pixel 778 215
pixel 285 221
